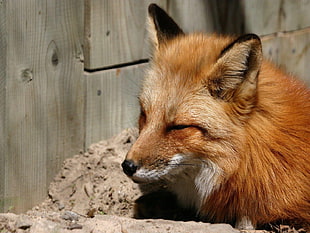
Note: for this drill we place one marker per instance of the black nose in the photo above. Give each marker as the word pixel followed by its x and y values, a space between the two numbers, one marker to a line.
pixel 129 167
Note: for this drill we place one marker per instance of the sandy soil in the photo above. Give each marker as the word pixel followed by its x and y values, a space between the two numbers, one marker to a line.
pixel 92 194
pixel 93 182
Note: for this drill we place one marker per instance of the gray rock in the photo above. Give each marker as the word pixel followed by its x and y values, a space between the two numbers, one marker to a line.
pixel 23 222
pixel 70 215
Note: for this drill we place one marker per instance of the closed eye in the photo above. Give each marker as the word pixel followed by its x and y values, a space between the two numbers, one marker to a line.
pixel 178 127
pixel 181 127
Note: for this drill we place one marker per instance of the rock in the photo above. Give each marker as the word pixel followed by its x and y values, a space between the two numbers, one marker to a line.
pixel 61 206
pixel 23 222
pixel 218 228
pixel 74 226
pixel 109 224
pixel 71 216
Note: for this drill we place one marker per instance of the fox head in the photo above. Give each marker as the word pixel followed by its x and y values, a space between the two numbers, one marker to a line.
pixel 196 96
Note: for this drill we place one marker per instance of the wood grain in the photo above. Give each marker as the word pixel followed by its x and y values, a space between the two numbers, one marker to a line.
pixel 265 17
pixel 44 96
pixel 291 51
pixel 111 101
pixel 3 52
pixel 115 32
pixel 241 16
pixel 191 16
pixel 223 16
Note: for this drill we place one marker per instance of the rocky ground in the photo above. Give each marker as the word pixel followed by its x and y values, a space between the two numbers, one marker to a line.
pixel 92 195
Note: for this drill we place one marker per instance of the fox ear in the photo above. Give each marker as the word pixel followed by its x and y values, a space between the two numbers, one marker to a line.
pixel 237 69
pixel 161 26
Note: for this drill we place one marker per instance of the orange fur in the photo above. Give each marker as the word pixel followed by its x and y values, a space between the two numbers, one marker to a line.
pixel 273 180
pixel 251 128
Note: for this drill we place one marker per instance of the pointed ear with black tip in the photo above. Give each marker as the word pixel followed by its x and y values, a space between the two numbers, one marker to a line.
pixel 161 26
pixel 236 71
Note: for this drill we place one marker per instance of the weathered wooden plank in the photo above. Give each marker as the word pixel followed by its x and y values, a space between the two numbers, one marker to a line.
pixel 223 16
pixel 265 17
pixel 241 16
pixel 112 103
pixel 44 96
pixel 115 32
pixel 192 16
pixel 291 51
pixel 3 50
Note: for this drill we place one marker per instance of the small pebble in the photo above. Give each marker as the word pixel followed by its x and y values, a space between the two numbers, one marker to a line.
pixel 90 151
pixel 61 206
pixel 71 216
pixel 74 226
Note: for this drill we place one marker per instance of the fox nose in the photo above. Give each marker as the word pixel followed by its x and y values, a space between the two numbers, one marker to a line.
pixel 129 167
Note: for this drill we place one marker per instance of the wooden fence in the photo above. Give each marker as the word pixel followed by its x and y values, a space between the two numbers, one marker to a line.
pixel 70 71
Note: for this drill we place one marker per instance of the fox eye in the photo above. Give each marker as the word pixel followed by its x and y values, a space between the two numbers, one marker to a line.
pixel 178 127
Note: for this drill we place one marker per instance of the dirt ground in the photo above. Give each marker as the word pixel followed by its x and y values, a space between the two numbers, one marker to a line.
pixel 91 194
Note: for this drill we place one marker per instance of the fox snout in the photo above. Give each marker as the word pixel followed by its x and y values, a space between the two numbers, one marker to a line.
pixel 129 167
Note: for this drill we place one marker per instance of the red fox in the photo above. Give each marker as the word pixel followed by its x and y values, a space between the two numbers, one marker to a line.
pixel 227 131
